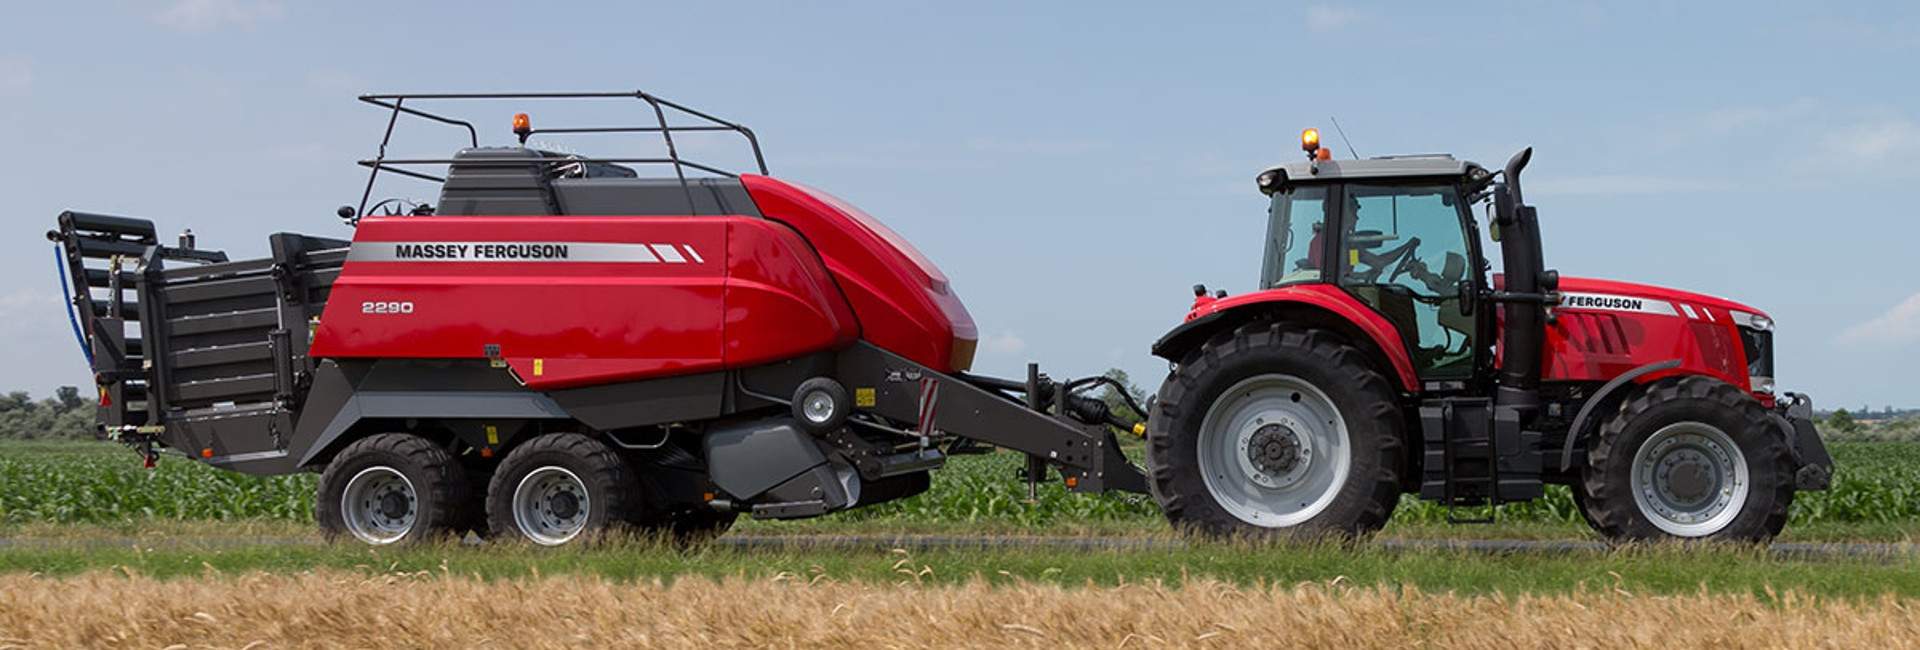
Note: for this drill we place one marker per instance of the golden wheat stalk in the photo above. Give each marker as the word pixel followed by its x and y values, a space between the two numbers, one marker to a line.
pixel 348 609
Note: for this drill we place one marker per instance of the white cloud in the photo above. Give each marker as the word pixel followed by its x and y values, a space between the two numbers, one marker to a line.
pixel 16 76
pixel 1879 140
pixel 1620 185
pixel 212 15
pixel 1741 118
pixel 1898 325
pixel 1327 18
pixel 1003 344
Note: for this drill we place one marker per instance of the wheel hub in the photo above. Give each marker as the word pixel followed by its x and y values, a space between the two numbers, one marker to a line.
pixel 563 505
pixel 1689 479
pixel 393 505
pixel 1275 449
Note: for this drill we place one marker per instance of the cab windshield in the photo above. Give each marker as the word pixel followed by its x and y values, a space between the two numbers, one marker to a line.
pixel 1294 244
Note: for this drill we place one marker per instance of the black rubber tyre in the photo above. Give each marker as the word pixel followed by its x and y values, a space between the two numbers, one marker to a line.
pixel 1606 484
pixel 1364 398
pixel 438 482
pixel 612 492
pixel 838 405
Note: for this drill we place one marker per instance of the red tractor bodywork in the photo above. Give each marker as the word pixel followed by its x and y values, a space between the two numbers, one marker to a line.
pixel 689 294
pixel 1592 340
pixel 1625 327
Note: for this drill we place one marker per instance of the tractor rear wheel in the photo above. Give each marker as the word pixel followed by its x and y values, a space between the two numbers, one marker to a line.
pixel 391 488
pixel 1276 431
pixel 1688 458
pixel 558 488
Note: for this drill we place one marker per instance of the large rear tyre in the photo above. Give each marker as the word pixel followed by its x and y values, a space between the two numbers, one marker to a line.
pixel 1276 431
pixel 391 489
pixel 1688 458
pixel 559 488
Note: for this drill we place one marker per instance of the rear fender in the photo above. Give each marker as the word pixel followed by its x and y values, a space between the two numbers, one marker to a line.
pixel 1318 305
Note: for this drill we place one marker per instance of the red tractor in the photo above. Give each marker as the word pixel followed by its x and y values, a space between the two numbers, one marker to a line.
pixel 1380 357
pixel 560 346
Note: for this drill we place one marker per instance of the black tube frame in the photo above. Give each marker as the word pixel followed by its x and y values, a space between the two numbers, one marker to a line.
pixel 396 104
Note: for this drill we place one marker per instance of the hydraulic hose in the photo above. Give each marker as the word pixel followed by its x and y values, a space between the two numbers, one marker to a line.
pixel 73 317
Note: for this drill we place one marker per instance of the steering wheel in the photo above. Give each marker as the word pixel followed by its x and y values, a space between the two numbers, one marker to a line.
pixel 1407 260
pixel 1379 262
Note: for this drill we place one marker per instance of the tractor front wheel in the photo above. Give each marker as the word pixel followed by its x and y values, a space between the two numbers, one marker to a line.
pixel 1271 430
pixel 1688 458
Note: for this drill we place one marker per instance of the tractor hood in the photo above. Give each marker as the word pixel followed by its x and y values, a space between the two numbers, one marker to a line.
pixel 1579 292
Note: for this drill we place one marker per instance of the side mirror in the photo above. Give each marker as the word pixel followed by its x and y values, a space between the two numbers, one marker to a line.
pixel 1464 294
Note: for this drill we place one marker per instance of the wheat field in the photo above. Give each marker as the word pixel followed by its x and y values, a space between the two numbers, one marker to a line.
pixel 429 609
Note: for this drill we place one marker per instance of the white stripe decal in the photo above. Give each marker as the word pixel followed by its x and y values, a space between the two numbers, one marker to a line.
pixel 668 253
pixel 477 251
pixel 1689 309
pixel 696 254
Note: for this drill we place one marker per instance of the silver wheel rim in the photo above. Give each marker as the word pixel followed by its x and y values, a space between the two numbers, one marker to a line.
pixel 1690 479
pixel 817 406
pixel 551 506
pixel 379 505
pixel 1274 451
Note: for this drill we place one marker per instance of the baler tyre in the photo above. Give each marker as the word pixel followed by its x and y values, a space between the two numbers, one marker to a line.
pixel 1326 421
pixel 560 487
pixel 1688 458
pixel 391 489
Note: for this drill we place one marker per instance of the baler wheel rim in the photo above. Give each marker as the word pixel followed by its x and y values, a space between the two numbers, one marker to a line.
pixel 368 496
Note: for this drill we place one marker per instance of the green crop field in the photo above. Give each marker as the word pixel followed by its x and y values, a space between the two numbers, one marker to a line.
pixel 1877 487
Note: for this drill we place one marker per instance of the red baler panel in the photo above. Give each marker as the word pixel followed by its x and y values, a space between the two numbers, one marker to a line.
pixel 622 298
pixel 903 302
pixel 780 301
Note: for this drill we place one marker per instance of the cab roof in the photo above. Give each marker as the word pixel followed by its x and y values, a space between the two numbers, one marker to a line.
pixel 1379 167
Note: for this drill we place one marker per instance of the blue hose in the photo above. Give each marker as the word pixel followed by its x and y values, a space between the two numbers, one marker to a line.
pixel 73 317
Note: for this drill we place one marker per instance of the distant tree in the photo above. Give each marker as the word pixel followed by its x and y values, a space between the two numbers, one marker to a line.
pixel 65 415
pixel 69 398
pixel 1843 422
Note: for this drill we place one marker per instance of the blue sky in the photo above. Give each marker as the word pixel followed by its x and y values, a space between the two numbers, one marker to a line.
pixel 1073 167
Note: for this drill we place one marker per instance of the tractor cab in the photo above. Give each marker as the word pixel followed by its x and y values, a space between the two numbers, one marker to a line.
pixel 1397 233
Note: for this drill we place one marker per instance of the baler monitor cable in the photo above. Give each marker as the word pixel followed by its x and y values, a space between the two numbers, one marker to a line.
pixel 73 316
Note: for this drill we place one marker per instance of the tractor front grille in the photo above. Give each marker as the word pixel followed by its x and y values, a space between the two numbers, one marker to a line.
pixel 1759 348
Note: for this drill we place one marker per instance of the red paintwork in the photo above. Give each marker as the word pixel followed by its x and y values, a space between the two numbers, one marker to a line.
pixel 1341 304
pixel 589 322
pixel 905 305
pixel 1597 345
pixel 815 276
pixel 1581 345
